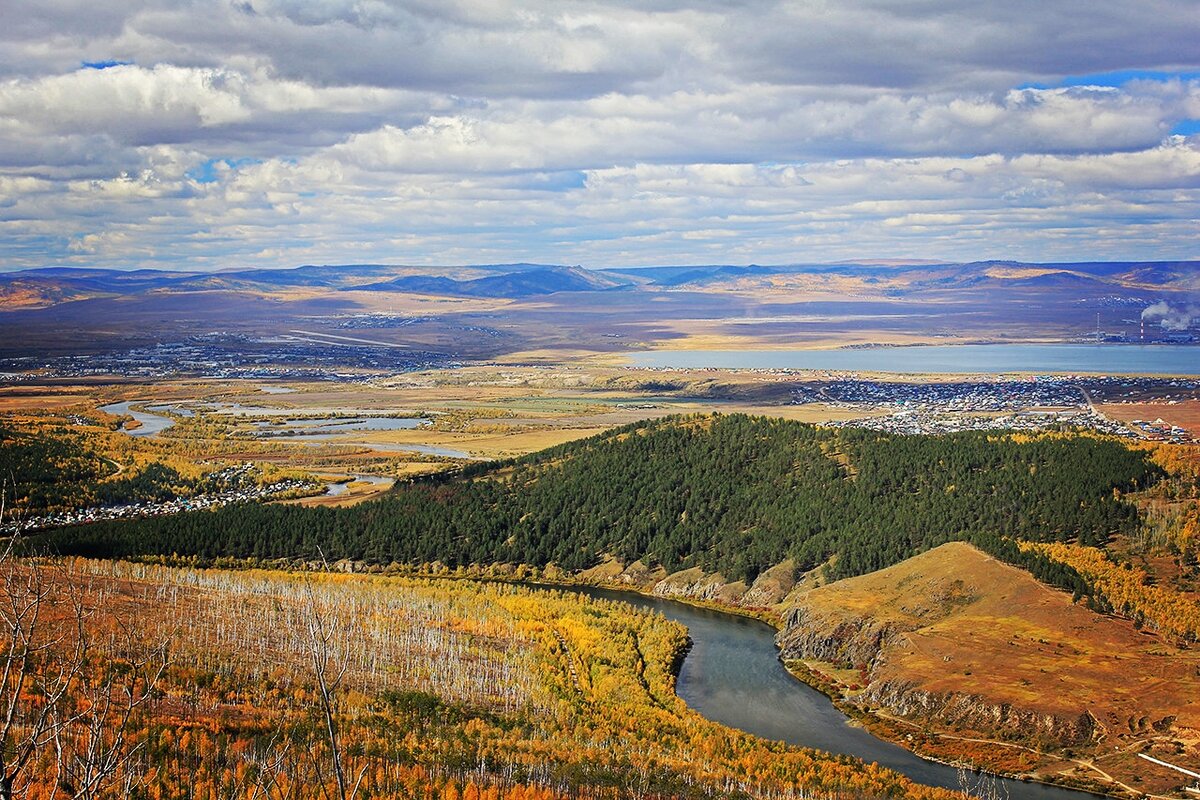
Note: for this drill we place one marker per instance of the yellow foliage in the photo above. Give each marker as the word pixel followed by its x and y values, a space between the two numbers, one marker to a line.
pixel 536 682
pixel 1127 589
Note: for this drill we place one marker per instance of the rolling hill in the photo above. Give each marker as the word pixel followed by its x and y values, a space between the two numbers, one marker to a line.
pixel 49 286
pixel 730 494
pixel 1011 672
pixel 549 309
pixel 526 283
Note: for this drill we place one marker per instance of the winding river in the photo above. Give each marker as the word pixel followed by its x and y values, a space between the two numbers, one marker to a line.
pixel 733 675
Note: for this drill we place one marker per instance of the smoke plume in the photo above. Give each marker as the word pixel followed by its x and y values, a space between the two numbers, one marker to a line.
pixel 1172 318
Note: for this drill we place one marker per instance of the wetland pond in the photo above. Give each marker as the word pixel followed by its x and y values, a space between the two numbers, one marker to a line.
pixel 733 675
pixel 311 432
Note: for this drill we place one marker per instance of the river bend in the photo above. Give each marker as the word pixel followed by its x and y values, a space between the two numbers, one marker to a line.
pixel 733 675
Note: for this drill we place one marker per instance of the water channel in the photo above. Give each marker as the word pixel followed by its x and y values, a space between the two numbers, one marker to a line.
pixel 151 424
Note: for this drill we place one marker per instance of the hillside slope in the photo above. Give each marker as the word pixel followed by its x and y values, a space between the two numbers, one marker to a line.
pixel 528 283
pixel 955 639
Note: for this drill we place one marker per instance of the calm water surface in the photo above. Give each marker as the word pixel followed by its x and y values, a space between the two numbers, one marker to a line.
pixel 1113 359
pixel 344 424
pixel 733 675
pixel 151 423
pixel 339 489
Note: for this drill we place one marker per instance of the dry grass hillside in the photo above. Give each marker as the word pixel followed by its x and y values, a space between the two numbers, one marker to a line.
pixel 955 639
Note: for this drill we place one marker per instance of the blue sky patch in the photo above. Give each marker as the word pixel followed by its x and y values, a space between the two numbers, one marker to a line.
pixel 207 172
pixel 1117 78
pixel 104 64
pixel 1187 127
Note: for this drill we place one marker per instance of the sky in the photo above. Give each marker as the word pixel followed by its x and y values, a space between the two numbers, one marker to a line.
pixel 211 134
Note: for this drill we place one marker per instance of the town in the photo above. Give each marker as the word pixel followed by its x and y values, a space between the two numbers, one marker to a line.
pixel 927 421
pixel 1027 404
pixel 242 490
pixel 224 356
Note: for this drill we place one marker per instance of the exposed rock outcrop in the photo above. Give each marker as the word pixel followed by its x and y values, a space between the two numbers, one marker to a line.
pixel 696 585
pixel 954 639
pixel 853 643
pixel 971 711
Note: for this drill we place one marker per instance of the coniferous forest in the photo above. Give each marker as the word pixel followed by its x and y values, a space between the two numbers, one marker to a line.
pixel 733 494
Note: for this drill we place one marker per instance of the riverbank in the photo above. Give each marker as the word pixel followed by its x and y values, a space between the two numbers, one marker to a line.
pixel 933 746
pixel 757 679
pixel 914 738
pixel 922 742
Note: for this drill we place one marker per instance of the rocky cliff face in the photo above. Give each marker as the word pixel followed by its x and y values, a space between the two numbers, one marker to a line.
pixel 851 643
pixel 694 584
pixel 767 591
pixel 862 643
pixel 973 712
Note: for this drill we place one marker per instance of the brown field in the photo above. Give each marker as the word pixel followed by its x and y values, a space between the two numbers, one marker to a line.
pixel 1184 413
pixel 39 398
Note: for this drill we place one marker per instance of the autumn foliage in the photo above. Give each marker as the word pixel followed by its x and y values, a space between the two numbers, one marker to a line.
pixel 454 689
pixel 1129 590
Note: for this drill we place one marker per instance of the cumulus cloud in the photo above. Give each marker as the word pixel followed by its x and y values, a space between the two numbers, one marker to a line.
pixel 603 131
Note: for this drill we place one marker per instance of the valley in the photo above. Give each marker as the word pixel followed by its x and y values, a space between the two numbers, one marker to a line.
pixel 991 568
pixel 372 320
pixel 941 648
pixel 411 400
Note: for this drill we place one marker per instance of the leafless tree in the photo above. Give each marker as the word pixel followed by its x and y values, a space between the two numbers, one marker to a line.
pixel 268 763
pixel 986 786
pixel 34 674
pixel 65 707
pixel 330 663
pixel 91 736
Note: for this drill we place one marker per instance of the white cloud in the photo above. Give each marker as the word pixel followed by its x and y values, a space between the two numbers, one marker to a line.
pixel 279 131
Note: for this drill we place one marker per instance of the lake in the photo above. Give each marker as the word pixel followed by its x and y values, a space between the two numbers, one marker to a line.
pixel 1113 359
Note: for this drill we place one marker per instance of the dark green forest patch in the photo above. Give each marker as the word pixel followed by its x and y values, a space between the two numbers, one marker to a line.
pixel 734 494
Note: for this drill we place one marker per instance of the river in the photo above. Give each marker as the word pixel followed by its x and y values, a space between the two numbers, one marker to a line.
pixel 733 675
pixel 151 424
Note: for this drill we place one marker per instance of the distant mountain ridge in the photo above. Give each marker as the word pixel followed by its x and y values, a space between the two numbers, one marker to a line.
pixel 49 286
pixel 545 280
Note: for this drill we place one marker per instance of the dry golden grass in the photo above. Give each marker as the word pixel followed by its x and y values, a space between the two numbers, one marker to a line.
pixel 1018 640
pixel 705 335
pixel 513 441
pixel 34 398
pixel 418 304
pixel 969 625
pixel 356 490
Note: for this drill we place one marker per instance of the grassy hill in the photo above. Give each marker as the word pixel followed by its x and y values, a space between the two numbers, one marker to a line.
pixel 734 494
pixel 954 639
